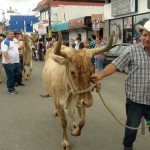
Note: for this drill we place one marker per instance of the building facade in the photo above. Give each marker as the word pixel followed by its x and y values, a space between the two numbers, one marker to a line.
pixel 22 23
pixel 126 14
pixel 77 14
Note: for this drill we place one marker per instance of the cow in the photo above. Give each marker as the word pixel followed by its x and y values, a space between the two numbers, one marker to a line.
pixel 66 77
pixel 27 55
pixel 2 37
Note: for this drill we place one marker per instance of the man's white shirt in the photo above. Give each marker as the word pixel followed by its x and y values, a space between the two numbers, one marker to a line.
pixel 12 49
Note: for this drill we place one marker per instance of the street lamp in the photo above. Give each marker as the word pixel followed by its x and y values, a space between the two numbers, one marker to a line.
pixel 49 18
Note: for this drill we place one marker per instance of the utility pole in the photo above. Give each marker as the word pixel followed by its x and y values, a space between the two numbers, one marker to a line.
pixel 49 19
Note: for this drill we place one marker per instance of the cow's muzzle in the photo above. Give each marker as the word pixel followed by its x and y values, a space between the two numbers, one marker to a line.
pixel 85 101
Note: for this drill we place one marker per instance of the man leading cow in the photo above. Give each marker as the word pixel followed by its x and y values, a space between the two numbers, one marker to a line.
pixel 137 85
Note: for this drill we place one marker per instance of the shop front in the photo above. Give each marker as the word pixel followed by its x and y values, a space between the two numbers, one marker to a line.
pixel 63 27
pixel 124 16
pixel 81 26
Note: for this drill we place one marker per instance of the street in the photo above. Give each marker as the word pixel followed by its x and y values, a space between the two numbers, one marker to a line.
pixel 27 122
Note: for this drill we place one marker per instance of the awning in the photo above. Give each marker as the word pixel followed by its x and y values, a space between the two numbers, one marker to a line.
pixel 60 26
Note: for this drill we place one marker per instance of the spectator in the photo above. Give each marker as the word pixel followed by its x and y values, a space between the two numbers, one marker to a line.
pixel 10 61
pixel 20 45
pixel 99 58
pixel 75 43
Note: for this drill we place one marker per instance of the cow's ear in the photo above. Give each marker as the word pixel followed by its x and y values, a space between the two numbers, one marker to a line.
pixel 59 59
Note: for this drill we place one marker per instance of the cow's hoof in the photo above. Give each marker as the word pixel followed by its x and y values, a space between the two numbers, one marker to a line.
pixel 75 130
pixel 65 146
pixel 25 78
pixel 55 114
pixel 28 74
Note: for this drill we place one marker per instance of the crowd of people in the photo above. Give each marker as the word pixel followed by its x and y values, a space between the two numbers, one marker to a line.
pixel 93 42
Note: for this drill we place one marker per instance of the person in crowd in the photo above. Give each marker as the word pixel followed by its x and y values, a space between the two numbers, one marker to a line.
pixel 49 42
pixel 10 61
pixel 75 43
pixel 137 58
pixel 40 50
pixel 99 58
pixel 91 45
pixel 81 45
pixel 18 40
pixel 53 42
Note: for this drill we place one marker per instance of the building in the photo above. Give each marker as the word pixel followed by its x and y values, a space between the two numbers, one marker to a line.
pixel 126 14
pixel 71 18
pixel 22 23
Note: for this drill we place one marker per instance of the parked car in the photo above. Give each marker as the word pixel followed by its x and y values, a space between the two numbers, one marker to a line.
pixel 114 52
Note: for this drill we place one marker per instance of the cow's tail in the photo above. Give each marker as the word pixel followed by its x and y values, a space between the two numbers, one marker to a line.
pixel 44 95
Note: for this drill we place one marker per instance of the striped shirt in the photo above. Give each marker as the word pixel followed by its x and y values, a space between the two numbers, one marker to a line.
pixel 137 84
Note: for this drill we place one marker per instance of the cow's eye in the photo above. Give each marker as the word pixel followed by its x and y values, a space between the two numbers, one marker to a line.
pixel 72 73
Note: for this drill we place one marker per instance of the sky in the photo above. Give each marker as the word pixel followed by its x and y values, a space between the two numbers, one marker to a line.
pixel 22 7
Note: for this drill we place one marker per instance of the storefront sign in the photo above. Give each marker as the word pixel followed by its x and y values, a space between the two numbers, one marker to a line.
pixel 42 28
pixel 76 23
pixel 121 7
pixel 96 19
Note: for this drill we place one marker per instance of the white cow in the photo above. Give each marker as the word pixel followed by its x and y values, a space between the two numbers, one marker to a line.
pixel 27 55
pixel 66 77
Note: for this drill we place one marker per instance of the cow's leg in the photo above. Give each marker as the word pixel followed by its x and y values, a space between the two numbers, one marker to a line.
pixel 65 143
pixel 81 112
pixel 25 74
pixel 30 69
pixel 55 109
pixel 76 128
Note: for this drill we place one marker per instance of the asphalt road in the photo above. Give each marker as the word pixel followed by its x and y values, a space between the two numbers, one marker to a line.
pixel 27 122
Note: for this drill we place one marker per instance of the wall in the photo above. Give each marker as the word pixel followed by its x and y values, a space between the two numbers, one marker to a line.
pixel 69 12
pixel 142 8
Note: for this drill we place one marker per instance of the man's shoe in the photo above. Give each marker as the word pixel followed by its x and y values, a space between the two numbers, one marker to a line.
pixel 13 92
pixel 16 85
pixel 21 84
pixel 128 148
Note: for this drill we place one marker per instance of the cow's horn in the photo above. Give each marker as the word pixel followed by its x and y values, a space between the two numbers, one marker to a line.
pixel 92 52
pixel 59 43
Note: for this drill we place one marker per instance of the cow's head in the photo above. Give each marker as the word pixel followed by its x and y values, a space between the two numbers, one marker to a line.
pixel 29 41
pixel 78 68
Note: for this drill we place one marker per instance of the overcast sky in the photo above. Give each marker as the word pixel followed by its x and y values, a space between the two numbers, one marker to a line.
pixel 23 7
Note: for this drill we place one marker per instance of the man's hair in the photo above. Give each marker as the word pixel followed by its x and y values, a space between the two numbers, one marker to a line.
pixel 79 35
pixel 16 32
pixel 94 37
pixel 8 31
pixel 78 38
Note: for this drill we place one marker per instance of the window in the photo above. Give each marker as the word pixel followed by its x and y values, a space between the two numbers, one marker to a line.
pixel 139 19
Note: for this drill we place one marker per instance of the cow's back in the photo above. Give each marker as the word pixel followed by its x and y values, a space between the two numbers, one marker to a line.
pixel 54 78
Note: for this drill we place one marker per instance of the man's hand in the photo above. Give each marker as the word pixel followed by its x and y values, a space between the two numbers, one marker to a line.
pixel 8 62
pixel 96 77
